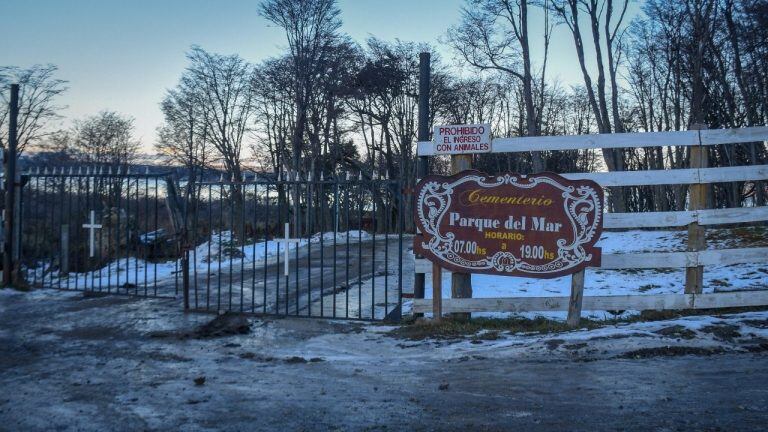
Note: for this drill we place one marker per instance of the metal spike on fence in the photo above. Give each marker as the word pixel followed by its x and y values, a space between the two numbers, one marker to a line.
pixel 71 170
pixel 348 175
pixel 128 170
pixel 146 170
pixel 309 176
pixel 279 176
pixel 109 170
pixel 321 176
pixel 298 176
pixel 118 170
pixel 360 176
pixel 221 178
pixel 244 178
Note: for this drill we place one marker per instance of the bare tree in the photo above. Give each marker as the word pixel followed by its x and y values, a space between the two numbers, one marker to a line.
pixel 106 139
pixel 311 28
pixel 600 12
pixel 38 90
pixel 494 35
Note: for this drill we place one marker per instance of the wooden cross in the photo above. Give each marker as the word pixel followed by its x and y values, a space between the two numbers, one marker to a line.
pixel 287 242
pixel 93 226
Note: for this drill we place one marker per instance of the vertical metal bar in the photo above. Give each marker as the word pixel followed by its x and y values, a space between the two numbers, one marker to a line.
pixel 335 235
pixel 310 229
pixel 297 206
pixel 57 227
pixel 36 229
pixel 346 204
pixel 242 243
pixel 194 236
pixel 157 238
pixel 266 243
pixel 321 184
pixel 10 189
pixel 360 249
pixel 374 227
pixel 254 240
pixel 155 228
pixel 233 240
pixel 387 230
pixel 221 227
pixel 277 270
pixel 208 258
pixel 137 230
pixel 401 223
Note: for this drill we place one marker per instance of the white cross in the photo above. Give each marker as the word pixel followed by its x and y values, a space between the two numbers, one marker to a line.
pixel 287 242
pixel 93 226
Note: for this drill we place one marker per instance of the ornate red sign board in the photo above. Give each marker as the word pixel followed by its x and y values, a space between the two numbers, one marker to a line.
pixel 542 225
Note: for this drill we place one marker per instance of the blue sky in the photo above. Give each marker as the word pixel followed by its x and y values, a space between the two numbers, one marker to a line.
pixel 123 55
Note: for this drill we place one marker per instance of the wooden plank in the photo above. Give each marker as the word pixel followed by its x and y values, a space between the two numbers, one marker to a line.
pixel 735 173
pixel 538 304
pixel 733 256
pixel 616 140
pixel 732 215
pixel 575 301
pixel 730 299
pixel 649 260
pixel 682 218
pixel 648 219
pixel 734 136
pixel 518 304
pixel 594 141
pixel 639 178
pixel 639 302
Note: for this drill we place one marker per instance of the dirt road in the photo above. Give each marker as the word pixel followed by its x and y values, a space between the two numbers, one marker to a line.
pixel 110 363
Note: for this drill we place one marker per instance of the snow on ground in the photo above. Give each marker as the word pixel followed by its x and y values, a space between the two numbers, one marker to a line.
pixel 220 252
pixel 633 281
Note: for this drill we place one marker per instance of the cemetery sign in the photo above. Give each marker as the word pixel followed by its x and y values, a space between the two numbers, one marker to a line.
pixel 540 225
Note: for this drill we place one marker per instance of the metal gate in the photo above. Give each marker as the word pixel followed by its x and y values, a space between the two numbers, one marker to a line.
pixel 95 230
pixel 296 246
pixel 278 246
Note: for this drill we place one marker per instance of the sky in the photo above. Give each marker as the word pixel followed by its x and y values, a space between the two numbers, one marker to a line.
pixel 123 55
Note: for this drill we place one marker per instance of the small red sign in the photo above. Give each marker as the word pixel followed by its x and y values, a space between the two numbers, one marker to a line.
pixel 541 225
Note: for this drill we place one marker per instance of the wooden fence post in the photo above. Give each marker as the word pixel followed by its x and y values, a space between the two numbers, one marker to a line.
pixel 694 276
pixel 577 294
pixel 437 292
pixel 461 283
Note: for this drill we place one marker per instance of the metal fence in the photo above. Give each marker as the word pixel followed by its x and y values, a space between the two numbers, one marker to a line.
pixel 90 230
pixel 281 246
pixel 292 246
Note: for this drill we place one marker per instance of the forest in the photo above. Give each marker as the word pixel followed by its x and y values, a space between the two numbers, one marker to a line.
pixel 332 106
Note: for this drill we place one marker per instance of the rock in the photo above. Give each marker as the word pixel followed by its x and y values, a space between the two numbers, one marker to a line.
pixel 199 380
pixel 226 324
pixel 444 386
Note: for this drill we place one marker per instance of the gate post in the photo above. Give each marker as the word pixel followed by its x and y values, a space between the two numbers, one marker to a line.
pixel 422 135
pixel 10 187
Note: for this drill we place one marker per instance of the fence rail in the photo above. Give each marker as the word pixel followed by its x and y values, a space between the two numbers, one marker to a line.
pixel 693 260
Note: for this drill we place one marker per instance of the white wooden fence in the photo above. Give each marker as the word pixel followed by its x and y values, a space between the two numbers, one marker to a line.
pixel 695 258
